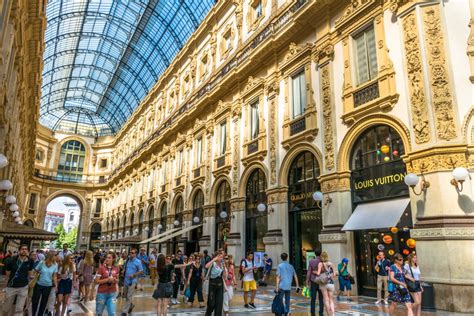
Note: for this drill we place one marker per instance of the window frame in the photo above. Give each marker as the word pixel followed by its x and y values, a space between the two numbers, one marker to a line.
pixel 354 37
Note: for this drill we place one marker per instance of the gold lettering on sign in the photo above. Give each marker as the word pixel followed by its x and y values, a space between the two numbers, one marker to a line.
pixel 369 183
pixel 419 108
pixel 442 96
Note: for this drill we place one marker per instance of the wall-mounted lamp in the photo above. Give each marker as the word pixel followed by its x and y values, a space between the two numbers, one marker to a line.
pixel 318 196
pixel 176 223
pixel 147 229
pixel 160 227
pixel 412 180
pixel 262 207
pixel 224 215
pixel 3 161
pixel 460 175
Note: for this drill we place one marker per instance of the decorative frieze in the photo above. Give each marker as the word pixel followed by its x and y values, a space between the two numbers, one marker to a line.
pixel 416 87
pixel 328 116
pixel 444 233
pixel 335 182
pixel 441 92
pixel 332 238
pixel 436 159
pixel 236 157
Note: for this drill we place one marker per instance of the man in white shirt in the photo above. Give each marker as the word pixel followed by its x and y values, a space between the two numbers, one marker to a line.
pixel 247 268
pixel 65 252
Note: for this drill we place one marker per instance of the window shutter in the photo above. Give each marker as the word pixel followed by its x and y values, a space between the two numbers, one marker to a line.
pixel 361 59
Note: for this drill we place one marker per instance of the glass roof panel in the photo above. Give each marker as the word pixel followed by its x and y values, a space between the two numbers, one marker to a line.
pixel 102 57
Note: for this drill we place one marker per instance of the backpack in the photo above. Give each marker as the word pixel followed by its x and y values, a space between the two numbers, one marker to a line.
pixel 277 306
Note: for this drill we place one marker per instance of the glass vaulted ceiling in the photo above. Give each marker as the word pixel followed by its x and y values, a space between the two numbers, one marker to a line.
pixel 103 56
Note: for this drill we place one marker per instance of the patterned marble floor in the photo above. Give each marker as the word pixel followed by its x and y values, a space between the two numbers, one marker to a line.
pixel 145 305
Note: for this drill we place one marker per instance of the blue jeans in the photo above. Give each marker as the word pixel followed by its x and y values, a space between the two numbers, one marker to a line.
pixel 286 294
pixel 103 300
pixel 316 291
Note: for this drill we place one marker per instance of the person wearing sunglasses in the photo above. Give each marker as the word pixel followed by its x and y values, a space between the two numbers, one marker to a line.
pixel 132 269
pixel 195 281
pixel 400 294
pixel 19 270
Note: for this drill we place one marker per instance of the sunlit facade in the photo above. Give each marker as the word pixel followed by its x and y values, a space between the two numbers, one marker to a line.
pixel 264 125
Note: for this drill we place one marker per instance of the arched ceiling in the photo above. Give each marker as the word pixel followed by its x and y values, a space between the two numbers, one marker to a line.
pixel 103 56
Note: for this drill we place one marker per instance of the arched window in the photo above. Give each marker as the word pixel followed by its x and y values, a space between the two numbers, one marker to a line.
pixel 163 214
pixel 256 224
pixel 305 217
pixel 178 211
pixel 151 218
pixel 29 223
pixel 96 231
pixel 71 161
pixel 376 146
pixel 377 169
pixel 198 203
pixel 140 221
pixel 198 212
pixel 302 182
pixel 222 215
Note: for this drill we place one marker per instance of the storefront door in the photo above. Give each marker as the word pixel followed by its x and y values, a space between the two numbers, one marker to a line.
pixel 304 229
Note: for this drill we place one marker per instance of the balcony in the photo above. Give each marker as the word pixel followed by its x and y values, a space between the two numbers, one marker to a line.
pixel 222 164
pixel 255 149
pixel 301 128
pixel 69 179
pixel 198 175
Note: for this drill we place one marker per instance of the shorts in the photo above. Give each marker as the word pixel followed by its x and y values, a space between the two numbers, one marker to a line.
pixel 65 287
pixel 344 284
pixel 250 286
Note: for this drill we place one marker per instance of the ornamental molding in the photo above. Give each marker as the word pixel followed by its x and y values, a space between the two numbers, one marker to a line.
pixel 416 87
pixel 441 91
pixel 335 182
pixel 328 117
pixel 332 238
pixel 277 196
pixel 437 159
pixel 445 233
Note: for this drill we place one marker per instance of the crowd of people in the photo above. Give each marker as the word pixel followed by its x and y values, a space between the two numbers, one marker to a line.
pixel 44 281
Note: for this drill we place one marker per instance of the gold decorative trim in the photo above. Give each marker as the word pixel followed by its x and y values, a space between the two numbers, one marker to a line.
pixel 328 117
pixel 441 92
pixel 416 87
pixel 335 182
pixel 436 159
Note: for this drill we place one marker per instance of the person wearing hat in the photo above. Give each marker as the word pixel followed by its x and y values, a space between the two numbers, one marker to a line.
pixel 344 279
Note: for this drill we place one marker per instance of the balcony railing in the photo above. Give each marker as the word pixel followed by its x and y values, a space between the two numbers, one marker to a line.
pixel 298 126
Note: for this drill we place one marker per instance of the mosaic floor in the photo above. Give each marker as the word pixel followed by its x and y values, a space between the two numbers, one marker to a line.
pixel 145 305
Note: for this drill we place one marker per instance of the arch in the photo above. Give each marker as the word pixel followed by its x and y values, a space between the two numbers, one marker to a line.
pixel 175 200
pixel 150 214
pixel 356 130
pixel 95 227
pixel 467 127
pixel 160 206
pixel 193 193
pixel 291 155
pixel 29 223
pixel 248 172
pixel 198 199
pixel 141 217
pixel 69 193
pixel 215 186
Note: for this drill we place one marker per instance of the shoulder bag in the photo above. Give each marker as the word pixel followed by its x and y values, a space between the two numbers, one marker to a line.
pixel 413 286
pixel 323 277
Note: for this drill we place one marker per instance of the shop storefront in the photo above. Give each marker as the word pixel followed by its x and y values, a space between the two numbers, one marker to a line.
pixel 222 215
pixel 177 223
pixel 381 218
pixel 256 223
pixel 305 217
pixel 96 231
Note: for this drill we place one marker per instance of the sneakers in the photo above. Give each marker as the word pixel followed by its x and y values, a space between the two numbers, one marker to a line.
pixel 132 306
pixel 174 301
pixel 385 302
pixel 378 302
pixel 252 305
pixel 246 305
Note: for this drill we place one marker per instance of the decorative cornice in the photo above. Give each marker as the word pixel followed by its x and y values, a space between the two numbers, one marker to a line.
pixel 445 233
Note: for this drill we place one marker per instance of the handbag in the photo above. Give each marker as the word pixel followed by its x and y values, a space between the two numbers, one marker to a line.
pixel 413 286
pixel 402 290
pixel 187 292
pixel 323 277
pixel 205 284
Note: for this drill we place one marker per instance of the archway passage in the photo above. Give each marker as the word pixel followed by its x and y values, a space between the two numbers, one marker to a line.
pixel 305 216
pixel 63 216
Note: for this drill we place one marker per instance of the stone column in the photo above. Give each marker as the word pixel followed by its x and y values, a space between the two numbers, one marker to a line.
pixel 207 240
pixel 444 227
pixel 336 210
pixel 277 240
pixel 235 241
